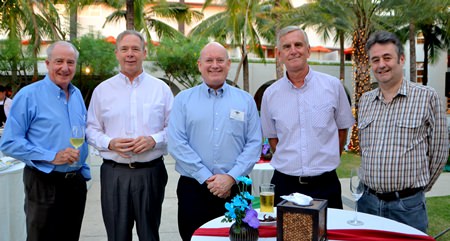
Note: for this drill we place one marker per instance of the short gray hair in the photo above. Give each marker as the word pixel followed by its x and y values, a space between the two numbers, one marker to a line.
pixel 63 43
pixel 130 32
pixel 289 29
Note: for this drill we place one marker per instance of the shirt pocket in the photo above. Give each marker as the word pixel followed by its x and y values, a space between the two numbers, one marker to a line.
pixel 322 116
pixel 153 116
pixel 366 133
pixel 235 127
pixel 412 132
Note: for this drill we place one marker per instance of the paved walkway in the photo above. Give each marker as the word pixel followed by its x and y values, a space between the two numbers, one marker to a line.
pixel 94 230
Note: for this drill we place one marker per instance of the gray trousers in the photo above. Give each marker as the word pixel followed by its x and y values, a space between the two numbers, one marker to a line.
pixel 132 195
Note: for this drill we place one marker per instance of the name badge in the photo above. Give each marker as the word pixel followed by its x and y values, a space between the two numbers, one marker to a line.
pixel 237 115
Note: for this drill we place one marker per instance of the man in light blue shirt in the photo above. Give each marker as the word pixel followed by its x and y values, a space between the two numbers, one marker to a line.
pixel 38 132
pixel 215 137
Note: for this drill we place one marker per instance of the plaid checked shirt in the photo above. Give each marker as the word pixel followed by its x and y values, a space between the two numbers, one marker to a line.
pixel 404 143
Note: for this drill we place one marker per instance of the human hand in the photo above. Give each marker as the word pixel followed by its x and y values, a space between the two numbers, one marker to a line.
pixel 122 146
pixel 220 185
pixel 143 144
pixel 67 156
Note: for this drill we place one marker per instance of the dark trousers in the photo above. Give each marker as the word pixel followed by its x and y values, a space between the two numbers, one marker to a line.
pixel 197 206
pixel 54 205
pixel 129 195
pixel 327 186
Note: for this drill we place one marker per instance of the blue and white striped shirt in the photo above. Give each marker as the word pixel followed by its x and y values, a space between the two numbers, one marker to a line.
pixel 306 121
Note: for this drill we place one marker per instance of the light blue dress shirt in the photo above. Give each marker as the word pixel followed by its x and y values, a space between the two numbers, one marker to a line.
pixel 39 125
pixel 214 132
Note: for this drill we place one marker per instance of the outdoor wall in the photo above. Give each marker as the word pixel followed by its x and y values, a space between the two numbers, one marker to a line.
pixel 262 73
pixel 436 71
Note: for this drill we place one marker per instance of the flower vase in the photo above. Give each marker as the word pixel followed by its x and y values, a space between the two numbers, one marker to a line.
pixel 244 233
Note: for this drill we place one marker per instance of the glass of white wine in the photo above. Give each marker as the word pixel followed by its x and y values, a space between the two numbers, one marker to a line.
pixel 77 139
pixel 357 189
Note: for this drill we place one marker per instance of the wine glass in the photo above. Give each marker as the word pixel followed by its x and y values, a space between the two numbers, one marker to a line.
pixel 357 189
pixel 77 139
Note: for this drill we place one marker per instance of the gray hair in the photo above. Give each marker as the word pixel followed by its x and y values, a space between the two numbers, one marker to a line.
pixel 130 32
pixel 384 37
pixel 63 43
pixel 289 29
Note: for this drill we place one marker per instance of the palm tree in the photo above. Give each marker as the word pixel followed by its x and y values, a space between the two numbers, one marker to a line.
pixel 237 25
pixel 436 33
pixel 273 11
pixel 330 18
pixel 365 12
pixel 20 19
pixel 139 17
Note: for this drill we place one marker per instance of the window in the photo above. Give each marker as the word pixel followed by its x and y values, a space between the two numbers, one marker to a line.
pixel 420 38
pixel 419 72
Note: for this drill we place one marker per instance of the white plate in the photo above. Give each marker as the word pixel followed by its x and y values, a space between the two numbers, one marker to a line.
pixel 261 217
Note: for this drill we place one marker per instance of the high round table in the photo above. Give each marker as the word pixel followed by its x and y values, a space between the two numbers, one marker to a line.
pixel 12 214
pixel 336 219
pixel 261 173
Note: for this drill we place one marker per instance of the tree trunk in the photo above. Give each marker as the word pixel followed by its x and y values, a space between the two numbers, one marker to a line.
pixel 130 14
pixel 342 57
pixel 426 48
pixel 278 65
pixel 36 44
pixel 73 23
pixel 361 77
pixel 412 52
pixel 181 26
pixel 246 73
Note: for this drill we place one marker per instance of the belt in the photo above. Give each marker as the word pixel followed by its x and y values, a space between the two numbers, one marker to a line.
pixel 391 196
pixel 310 180
pixel 148 164
pixel 55 174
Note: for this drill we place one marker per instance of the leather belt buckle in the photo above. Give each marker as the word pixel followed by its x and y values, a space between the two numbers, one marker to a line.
pixel 70 175
pixel 302 182
pixel 131 165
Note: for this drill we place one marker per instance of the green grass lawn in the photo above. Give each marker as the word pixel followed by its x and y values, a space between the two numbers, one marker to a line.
pixel 438 207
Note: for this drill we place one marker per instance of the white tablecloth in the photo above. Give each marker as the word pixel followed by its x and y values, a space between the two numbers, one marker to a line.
pixel 261 173
pixel 12 215
pixel 336 219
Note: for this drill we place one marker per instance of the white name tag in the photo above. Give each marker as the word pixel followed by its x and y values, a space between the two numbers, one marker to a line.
pixel 237 115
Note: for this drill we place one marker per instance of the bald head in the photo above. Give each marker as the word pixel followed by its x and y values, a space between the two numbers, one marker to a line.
pixel 214 47
pixel 214 64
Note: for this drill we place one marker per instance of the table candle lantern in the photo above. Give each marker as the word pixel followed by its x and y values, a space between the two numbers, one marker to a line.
pixel 302 223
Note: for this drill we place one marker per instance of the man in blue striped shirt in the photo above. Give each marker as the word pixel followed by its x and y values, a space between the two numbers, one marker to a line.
pixel 305 115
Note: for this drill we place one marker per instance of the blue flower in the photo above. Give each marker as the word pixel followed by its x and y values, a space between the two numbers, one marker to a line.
pixel 247 181
pixel 240 208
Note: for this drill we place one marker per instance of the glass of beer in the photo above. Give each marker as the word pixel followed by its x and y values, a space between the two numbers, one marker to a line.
pixel 267 196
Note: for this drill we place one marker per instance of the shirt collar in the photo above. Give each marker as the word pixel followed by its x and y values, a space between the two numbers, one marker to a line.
pixel 308 78
pixel 59 93
pixel 211 92
pixel 403 91
pixel 136 80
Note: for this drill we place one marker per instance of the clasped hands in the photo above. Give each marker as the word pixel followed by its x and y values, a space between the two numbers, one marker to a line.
pixel 220 185
pixel 125 146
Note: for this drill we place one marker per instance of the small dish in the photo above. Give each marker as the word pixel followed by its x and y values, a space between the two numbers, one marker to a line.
pixel 268 216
